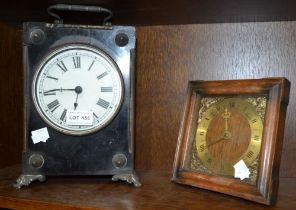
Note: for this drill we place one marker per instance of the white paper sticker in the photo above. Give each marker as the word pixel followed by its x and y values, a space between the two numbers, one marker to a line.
pixel 40 135
pixel 241 170
pixel 79 117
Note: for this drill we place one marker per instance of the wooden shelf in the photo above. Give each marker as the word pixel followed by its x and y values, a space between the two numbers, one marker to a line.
pixel 157 192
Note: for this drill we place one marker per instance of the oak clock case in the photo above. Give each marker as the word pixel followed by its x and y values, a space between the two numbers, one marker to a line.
pixel 231 137
pixel 79 68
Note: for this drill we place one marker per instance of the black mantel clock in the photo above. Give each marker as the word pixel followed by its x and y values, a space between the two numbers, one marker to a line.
pixel 79 99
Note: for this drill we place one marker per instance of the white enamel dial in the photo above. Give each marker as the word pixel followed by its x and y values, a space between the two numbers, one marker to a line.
pixel 77 78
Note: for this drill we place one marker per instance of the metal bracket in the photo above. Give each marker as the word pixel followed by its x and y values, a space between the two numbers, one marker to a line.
pixel 27 179
pixel 131 178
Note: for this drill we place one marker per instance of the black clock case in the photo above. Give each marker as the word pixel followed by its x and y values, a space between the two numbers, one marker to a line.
pixel 90 154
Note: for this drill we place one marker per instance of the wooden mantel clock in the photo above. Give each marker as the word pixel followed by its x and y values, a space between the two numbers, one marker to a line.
pixel 231 137
pixel 79 96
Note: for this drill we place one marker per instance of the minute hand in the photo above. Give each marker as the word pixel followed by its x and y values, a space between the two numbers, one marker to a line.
pixel 59 89
pixel 215 142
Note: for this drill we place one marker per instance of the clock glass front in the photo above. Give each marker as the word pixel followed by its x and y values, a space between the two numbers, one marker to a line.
pixel 229 131
pixel 77 78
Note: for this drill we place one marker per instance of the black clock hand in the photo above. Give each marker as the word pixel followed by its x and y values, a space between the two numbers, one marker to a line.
pixel 75 103
pixel 215 142
pixel 58 89
pixel 78 90
pixel 226 116
pixel 226 136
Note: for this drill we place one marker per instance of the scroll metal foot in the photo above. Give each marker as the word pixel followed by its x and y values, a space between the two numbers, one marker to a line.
pixel 131 178
pixel 27 179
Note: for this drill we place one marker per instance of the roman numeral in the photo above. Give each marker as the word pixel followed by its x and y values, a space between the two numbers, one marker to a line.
pixel 256 138
pixel 91 65
pixel 53 105
pixel 106 89
pixel 202 147
pixel 250 154
pixel 254 120
pixel 231 104
pixel 62 66
pixel 46 93
pixel 102 75
pixel 63 116
pixel 103 103
pixel 54 78
pixel 76 61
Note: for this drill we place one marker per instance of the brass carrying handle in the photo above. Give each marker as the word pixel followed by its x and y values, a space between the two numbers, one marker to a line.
pixel 79 8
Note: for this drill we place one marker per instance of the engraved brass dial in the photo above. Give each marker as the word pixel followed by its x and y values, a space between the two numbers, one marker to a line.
pixel 229 130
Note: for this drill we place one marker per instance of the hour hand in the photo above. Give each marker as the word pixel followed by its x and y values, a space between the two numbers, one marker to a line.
pixel 215 142
pixel 78 90
pixel 75 103
pixel 226 116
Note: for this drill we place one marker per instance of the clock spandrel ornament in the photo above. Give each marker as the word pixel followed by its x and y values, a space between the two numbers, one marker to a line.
pixel 79 99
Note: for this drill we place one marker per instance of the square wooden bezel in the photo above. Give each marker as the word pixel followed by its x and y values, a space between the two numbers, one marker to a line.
pixel 265 189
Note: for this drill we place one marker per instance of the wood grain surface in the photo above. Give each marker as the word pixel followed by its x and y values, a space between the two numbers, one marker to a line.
pixel 157 192
pixel 167 58
pixel 170 56
pixel 139 12
pixel 11 88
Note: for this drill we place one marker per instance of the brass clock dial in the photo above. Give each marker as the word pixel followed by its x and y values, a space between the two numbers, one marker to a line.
pixel 228 131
